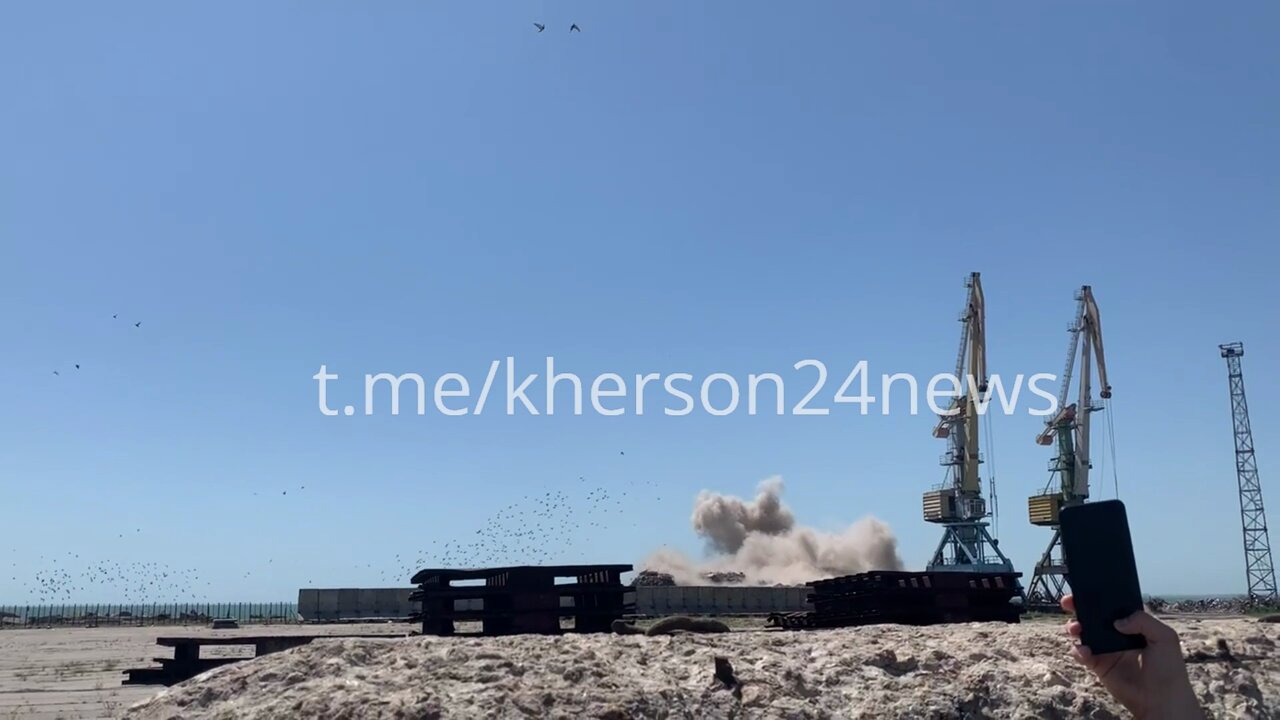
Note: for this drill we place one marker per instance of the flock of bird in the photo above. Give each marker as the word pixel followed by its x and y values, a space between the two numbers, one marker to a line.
pixel 115 316
pixel 572 28
pixel 538 529
pixel 135 582
pixel 546 527
pixel 69 579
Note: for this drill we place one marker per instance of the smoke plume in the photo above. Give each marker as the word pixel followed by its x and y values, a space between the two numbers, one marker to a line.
pixel 759 538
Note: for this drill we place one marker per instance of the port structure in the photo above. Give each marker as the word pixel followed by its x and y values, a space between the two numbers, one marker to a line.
pixel 1068 432
pixel 1259 573
pixel 958 505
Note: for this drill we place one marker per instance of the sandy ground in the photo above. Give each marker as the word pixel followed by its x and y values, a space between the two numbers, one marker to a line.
pixel 955 671
pixel 75 673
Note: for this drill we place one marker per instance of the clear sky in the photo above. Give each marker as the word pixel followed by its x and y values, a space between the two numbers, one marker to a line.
pixel 697 187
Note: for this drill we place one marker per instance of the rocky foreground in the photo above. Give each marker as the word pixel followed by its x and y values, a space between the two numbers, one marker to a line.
pixel 887 671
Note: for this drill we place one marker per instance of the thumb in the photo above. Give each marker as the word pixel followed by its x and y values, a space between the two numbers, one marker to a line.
pixel 1144 624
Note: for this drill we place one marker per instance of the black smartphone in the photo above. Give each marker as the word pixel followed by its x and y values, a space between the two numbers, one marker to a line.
pixel 1102 573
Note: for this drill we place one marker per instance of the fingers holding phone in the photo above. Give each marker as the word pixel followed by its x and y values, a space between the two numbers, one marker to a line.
pixel 1102 573
pixel 1149 682
pixel 1137 657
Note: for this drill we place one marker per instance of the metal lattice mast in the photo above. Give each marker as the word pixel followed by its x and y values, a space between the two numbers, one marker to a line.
pixel 1253 519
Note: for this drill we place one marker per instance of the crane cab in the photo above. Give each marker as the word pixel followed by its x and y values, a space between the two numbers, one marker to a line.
pixel 944 505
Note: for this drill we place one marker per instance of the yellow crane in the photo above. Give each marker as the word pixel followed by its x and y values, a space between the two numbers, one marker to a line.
pixel 1069 431
pixel 958 504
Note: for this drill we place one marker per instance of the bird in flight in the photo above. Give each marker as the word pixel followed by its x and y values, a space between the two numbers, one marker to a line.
pixel 77 366
pixel 138 324
pixel 55 372
pixel 574 28
pixel 115 315
pixel 540 26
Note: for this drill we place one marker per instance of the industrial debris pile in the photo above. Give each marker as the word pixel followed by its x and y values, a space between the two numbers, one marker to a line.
pixel 877 671
pixel 1213 606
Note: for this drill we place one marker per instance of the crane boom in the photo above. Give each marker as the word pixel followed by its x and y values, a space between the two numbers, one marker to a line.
pixel 976 321
pixel 1087 327
pixel 963 410
pixel 975 385
pixel 960 423
pixel 1093 323
pixel 1090 350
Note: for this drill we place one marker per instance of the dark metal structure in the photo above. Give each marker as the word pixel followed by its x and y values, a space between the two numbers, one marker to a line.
pixel 523 599
pixel 186 662
pixel 908 598
pixel 1259 572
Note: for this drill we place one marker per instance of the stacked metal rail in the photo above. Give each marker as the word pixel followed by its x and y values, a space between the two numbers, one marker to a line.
pixel 523 599
pixel 908 598
pixel 187 662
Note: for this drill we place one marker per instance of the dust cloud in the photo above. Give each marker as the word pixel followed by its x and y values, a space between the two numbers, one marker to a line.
pixel 760 540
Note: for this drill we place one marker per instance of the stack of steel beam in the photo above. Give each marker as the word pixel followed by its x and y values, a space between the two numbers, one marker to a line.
pixel 523 599
pixel 908 598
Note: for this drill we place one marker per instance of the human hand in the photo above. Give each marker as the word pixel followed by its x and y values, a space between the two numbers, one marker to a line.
pixel 1151 682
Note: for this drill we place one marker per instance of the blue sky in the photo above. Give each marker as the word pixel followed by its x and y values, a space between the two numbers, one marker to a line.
pixel 697 187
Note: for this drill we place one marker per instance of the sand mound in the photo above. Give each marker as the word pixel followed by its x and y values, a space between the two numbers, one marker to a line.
pixel 957 671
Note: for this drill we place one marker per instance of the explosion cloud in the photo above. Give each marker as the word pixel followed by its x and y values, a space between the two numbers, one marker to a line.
pixel 760 539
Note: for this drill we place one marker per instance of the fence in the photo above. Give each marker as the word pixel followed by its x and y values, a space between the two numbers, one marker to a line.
pixel 370 604
pixel 355 604
pixel 22 616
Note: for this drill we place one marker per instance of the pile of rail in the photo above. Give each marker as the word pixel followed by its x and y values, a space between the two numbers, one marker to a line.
pixel 907 598
pixel 523 599
pixel 186 662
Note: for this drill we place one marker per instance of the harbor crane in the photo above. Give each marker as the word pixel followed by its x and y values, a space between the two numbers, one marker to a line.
pixel 1069 431
pixel 958 504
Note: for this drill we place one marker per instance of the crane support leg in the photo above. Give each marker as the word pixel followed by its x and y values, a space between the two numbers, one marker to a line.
pixel 969 547
pixel 1049 581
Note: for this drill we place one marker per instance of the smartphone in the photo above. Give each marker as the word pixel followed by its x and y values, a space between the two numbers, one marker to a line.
pixel 1102 573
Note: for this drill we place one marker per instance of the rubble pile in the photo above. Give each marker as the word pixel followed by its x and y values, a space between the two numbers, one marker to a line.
pixel 653 578
pixel 880 672
pixel 725 578
pixel 1215 606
